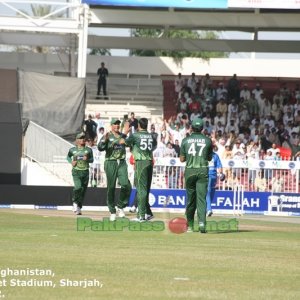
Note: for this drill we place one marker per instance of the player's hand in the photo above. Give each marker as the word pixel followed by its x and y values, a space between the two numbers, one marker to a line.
pixel 222 176
pixel 126 127
pixel 74 163
pixel 122 141
pixel 84 157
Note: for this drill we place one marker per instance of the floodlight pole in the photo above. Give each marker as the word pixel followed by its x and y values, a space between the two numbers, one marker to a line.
pixel 82 41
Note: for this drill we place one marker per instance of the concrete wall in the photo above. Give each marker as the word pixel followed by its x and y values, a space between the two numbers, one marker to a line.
pixel 8 85
pixel 154 65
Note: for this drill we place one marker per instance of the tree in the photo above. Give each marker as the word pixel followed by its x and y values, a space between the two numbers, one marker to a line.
pixel 98 51
pixel 171 34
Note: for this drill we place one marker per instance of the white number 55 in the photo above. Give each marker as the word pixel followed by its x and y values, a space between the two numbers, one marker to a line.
pixel 146 144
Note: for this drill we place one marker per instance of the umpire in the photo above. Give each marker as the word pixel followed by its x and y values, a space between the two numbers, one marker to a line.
pixel 196 151
pixel 80 157
pixel 115 167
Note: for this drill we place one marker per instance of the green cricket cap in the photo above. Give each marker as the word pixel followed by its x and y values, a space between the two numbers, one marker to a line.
pixel 80 135
pixel 115 121
pixel 197 123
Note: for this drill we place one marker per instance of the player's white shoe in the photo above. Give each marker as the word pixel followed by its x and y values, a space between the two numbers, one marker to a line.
pixel 209 213
pixel 78 211
pixel 202 228
pixel 149 217
pixel 75 206
pixel 121 213
pixel 141 220
pixel 189 230
pixel 132 209
pixel 112 217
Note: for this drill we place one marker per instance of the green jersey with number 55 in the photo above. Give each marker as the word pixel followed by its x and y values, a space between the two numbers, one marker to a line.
pixel 142 144
pixel 197 150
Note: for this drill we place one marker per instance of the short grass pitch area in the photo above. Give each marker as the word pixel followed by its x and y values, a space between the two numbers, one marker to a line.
pixel 44 256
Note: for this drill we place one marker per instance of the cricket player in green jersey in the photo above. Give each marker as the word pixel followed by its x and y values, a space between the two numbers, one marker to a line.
pixel 196 151
pixel 80 157
pixel 115 167
pixel 142 144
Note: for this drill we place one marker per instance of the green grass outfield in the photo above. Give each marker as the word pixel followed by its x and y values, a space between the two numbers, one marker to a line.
pixel 261 261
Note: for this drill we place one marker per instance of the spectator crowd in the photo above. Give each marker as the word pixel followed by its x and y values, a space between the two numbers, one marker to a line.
pixel 244 123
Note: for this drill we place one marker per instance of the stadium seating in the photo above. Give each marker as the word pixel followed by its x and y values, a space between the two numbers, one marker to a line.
pixel 269 85
pixel 126 93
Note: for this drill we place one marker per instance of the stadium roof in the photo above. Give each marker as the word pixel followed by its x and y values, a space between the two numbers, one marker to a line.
pixel 245 19
pixel 216 15
pixel 251 20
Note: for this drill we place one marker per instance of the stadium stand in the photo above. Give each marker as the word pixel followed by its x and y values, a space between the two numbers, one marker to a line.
pixel 269 85
pixel 126 93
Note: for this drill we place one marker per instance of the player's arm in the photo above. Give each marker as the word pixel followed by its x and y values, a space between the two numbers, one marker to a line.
pixel 210 151
pixel 69 156
pixel 219 168
pixel 182 155
pixel 218 164
pixel 129 141
pixel 102 145
pixel 90 157
pixel 126 127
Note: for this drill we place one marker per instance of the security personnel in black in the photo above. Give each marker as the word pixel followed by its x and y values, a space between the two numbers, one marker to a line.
pixel 103 74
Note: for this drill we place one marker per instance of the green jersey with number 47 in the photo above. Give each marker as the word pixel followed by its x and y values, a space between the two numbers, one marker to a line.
pixel 142 144
pixel 197 150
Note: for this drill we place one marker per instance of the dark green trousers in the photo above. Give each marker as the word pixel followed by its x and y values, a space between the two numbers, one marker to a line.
pixel 143 178
pixel 117 170
pixel 196 181
pixel 81 180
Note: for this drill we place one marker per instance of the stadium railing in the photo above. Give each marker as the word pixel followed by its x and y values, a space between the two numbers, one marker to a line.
pixel 49 151
pixel 168 173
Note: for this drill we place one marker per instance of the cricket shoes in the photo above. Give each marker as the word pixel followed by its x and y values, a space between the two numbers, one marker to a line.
pixel 121 213
pixel 189 229
pixel 141 220
pixel 202 228
pixel 149 217
pixel 132 209
pixel 75 206
pixel 209 213
pixel 112 217
pixel 78 211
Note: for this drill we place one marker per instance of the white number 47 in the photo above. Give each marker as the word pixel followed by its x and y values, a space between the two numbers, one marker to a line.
pixel 192 149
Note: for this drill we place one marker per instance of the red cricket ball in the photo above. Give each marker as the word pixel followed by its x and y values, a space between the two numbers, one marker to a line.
pixel 178 225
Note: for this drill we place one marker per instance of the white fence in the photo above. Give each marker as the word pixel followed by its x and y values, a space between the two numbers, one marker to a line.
pixel 259 175
pixel 50 151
